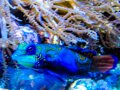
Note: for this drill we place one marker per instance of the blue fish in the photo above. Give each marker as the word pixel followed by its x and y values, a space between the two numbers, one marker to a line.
pixel 61 59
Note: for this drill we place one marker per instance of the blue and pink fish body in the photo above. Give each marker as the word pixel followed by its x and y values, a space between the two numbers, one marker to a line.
pixel 61 59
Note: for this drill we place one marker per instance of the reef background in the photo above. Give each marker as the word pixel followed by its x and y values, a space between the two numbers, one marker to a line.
pixel 91 24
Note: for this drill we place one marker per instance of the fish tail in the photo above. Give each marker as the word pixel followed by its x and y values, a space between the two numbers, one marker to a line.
pixel 104 63
pixel 115 61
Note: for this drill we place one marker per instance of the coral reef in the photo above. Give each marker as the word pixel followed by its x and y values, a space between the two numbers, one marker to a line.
pixel 70 21
pixel 91 24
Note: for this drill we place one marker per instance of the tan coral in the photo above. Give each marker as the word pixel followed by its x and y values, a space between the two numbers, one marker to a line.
pixel 62 18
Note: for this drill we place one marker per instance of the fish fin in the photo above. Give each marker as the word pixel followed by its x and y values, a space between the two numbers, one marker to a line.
pixel 115 61
pixel 104 63
pixel 83 51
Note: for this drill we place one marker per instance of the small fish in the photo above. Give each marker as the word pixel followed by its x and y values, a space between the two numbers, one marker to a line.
pixel 61 59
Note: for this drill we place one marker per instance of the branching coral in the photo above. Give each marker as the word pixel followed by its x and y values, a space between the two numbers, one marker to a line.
pixel 5 25
pixel 70 21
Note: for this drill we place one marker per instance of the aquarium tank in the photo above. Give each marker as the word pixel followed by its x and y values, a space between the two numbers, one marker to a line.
pixel 59 44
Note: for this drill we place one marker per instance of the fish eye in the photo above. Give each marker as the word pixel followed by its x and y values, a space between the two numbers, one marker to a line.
pixel 31 50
